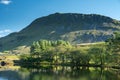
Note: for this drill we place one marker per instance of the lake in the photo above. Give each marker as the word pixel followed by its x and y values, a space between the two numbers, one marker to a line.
pixel 57 73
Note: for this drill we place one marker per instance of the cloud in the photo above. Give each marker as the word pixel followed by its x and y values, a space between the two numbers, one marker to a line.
pixel 5 2
pixel 5 32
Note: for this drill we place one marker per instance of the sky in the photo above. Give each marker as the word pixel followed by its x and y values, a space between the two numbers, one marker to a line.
pixel 17 14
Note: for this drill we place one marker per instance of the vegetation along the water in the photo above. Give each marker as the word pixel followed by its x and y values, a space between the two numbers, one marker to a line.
pixel 59 52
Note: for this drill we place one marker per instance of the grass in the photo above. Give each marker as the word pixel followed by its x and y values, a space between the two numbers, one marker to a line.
pixel 12 57
pixel 86 46
pixel 9 59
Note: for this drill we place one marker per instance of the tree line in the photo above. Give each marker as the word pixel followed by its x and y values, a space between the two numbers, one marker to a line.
pixel 62 52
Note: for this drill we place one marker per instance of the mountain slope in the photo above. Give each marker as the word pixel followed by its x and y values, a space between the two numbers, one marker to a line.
pixel 76 28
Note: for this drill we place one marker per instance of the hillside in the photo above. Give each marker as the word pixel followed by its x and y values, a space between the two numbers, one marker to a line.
pixel 73 27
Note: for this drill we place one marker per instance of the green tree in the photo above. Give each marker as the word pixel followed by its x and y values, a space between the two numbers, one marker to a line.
pixel 98 54
pixel 51 51
pixel 113 48
pixel 113 44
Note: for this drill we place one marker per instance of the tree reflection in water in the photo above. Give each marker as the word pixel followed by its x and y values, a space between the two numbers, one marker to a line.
pixel 59 73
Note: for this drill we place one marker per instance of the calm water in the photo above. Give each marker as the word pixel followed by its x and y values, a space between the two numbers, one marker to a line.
pixel 58 73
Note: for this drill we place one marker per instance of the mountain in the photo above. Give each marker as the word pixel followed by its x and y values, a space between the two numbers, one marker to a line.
pixel 73 27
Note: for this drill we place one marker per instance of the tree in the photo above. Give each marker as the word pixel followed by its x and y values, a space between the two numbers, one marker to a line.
pixel 113 48
pixel 98 54
pixel 113 44
pixel 50 51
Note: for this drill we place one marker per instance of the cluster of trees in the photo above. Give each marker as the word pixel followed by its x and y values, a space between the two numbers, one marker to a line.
pixel 62 52
pixel 48 51
pixel 113 49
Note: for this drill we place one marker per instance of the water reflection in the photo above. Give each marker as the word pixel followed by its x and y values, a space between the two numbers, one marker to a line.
pixel 59 73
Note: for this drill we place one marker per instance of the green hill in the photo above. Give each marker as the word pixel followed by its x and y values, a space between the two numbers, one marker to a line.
pixel 73 27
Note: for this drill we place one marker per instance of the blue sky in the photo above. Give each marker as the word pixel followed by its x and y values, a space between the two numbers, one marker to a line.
pixel 17 14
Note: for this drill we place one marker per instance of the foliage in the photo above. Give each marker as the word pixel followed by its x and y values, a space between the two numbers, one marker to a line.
pixel 50 51
pixel 98 54
pixel 113 48
pixel 62 52
pixel 114 43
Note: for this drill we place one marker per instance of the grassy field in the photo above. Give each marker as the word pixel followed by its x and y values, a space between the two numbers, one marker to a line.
pixel 9 59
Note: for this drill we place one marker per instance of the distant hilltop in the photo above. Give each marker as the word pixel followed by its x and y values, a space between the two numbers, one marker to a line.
pixel 73 27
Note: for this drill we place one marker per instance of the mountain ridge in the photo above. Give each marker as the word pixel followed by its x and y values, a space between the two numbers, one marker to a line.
pixel 73 27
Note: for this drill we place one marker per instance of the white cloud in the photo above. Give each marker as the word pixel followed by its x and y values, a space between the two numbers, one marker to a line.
pixel 1 35
pixel 5 32
pixel 6 2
